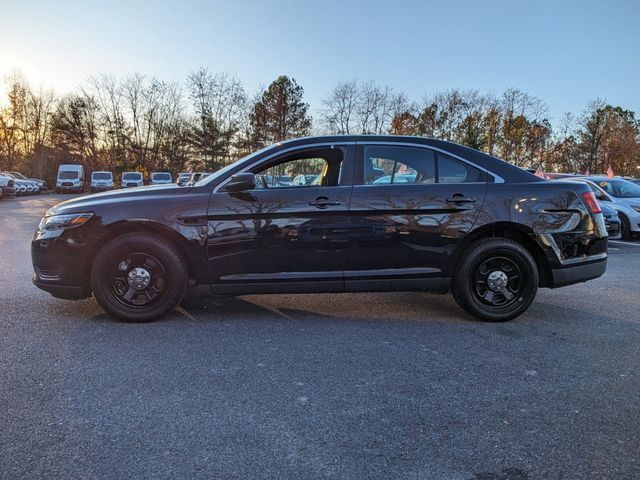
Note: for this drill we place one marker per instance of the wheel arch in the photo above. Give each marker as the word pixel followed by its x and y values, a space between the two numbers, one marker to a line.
pixel 517 232
pixel 146 226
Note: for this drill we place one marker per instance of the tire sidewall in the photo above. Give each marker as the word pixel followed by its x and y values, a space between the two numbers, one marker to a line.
pixel 165 252
pixel 625 227
pixel 463 289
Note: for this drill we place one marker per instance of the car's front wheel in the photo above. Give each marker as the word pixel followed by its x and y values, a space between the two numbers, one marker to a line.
pixel 138 277
pixel 496 280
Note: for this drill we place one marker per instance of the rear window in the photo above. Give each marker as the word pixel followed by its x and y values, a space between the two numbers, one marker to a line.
pixel 67 175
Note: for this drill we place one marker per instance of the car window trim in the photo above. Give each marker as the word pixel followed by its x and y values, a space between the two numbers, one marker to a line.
pixel 496 178
pixel 284 152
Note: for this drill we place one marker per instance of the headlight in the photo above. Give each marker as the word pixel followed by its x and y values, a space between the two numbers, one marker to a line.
pixel 61 222
pixel 636 208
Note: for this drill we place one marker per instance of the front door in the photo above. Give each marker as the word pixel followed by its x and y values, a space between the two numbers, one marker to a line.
pixel 410 207
pixel 291 229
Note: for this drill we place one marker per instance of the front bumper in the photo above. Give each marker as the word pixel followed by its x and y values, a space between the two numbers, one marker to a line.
pixel 66 292
pixel 574 272
pixel 61 262
pixel 73 188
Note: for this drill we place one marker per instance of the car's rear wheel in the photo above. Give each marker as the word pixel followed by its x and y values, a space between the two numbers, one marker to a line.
pixel 625 227
pixel 138 277
pixel 496 280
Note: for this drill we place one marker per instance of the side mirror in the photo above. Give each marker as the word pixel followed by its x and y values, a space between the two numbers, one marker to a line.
pixel 241 182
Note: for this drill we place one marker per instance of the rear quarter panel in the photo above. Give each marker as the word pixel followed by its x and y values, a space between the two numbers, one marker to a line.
pixel 551 213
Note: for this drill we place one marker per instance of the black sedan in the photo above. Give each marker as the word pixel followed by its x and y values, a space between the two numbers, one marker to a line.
pixel 467 222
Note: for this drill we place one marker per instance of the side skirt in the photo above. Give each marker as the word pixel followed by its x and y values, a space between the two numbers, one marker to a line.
pixel 432 285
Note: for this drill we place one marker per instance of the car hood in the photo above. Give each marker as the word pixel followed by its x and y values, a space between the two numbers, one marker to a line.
pixel 88 203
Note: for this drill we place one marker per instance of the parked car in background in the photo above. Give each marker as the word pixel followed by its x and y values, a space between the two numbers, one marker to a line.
pixel 161 178
pixel 42 184
pixel 469 223
pixel 196 177
pixel 7 186
pixel 625 198
pixel 398 178
pixel 132 179
pixel 183 178
pixel 101 181
pixel 611 221
pixel 70 178
pixel 558 176
pixel 302 180
pixel 22 187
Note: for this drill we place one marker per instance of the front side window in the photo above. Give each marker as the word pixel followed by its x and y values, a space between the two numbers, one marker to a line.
pixel 621 188
pixel 414 165
pixel 312 168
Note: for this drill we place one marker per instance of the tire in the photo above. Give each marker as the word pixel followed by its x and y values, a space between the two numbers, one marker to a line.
pixel 490 271
pixel 625 227
pixel 123 289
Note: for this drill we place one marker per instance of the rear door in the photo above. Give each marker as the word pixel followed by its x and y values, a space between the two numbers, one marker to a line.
pixel 410 207
pixel 281 231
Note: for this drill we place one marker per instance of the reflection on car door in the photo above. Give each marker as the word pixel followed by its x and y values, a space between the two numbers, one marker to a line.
pixel 407 231
pixel 290 234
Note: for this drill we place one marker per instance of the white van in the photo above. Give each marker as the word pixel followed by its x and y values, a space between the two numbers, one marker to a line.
pixel 132 179
pixel 161 178
pixel 70 178
pixel 101 181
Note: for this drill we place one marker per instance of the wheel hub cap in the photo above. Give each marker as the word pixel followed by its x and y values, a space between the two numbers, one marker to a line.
pixel 497 281
pixel 139 278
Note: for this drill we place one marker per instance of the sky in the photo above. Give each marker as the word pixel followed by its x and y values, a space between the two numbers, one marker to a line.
pixel 563 52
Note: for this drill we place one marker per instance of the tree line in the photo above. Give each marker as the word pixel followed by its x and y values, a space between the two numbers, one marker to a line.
pixel 146 124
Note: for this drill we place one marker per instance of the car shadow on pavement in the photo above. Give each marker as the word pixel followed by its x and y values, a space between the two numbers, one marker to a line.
pixel 392 306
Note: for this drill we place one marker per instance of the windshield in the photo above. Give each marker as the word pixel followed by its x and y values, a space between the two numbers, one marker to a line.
pixel 220 173
pixel 132 176
pixel 101 175
pixel 162 176
pixel 19 175
pixel 620 188
pixel 67 175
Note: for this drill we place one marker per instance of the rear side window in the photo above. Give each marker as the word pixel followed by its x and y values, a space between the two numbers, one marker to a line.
pixel 411 165
pixel 452 170
pixel 392 165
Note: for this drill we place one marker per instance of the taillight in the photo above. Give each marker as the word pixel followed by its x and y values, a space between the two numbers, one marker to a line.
pixel 590 201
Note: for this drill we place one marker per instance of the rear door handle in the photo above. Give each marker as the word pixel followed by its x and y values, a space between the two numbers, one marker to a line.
pixel 460 199
pixel 324 202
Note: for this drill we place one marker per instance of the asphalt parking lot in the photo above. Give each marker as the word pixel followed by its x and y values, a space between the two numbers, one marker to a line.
pixel 385 385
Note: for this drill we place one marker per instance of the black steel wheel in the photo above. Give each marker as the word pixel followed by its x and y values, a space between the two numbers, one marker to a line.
pixel 496 280
pixel 138 277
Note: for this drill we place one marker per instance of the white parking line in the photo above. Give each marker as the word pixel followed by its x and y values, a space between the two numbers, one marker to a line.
pixel 618 242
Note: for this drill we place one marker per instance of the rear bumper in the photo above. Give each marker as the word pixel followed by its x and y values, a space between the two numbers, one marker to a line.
pixel 579 272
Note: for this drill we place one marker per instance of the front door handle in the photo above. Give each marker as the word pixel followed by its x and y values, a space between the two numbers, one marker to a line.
pixel 459 198
pixel 324 202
